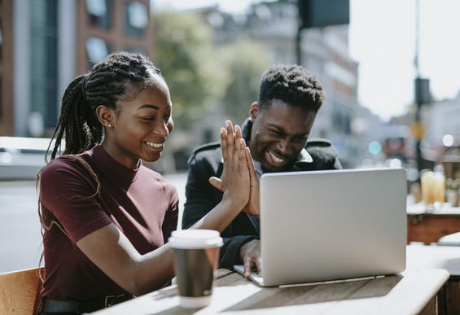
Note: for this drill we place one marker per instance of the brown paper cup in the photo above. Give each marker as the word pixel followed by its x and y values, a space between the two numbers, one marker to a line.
pixel 196 257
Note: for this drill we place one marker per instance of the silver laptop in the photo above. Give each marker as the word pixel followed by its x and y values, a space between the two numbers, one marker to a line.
pixel 331 225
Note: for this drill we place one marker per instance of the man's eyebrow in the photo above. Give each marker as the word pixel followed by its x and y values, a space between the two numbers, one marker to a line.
pixel 281 129
pixel 275 126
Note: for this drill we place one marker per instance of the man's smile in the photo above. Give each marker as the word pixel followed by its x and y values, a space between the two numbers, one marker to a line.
pixel 274 159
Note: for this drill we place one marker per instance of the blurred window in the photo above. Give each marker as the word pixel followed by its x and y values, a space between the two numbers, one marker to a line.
pixel 96 49
pixel 137 18
pixel 1 41
pixel 263 12
pixel 44 68
pixel 99 12
pixel 207 135
pixel 215 19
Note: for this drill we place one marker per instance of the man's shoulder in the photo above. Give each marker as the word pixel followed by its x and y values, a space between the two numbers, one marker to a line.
pixel 321 148
pixel 209 153
pixel 206 148
pixel 318 142
pixel 323 154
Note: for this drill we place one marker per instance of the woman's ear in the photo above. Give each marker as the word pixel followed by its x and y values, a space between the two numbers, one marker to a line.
pixel 105 115
pixel 254 111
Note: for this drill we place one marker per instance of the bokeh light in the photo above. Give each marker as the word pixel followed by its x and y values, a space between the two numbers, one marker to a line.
pixel 448 140
pixel 375 147
pixel 395 163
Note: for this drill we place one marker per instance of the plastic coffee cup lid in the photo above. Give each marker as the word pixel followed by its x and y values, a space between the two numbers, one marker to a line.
pixel 195 239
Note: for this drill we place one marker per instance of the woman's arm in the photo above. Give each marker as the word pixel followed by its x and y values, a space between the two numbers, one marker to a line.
pixel 235 180
pixel 113 253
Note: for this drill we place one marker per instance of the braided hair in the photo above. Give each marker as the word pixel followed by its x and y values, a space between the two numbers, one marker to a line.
pixel 291 84
pixel 120 76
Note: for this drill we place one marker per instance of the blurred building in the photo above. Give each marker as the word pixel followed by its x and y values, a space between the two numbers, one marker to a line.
pixel 442 129
pixel 368 137
pixel 324 52
pixel 44 44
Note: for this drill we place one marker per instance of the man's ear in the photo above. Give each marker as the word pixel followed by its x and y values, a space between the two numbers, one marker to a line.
pixel 254 111
pixel 105 115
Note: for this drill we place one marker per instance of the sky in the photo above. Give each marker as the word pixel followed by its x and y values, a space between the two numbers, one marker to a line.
pixel 382 36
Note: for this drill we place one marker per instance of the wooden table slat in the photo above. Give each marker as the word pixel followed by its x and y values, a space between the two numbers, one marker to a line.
pixel 408 293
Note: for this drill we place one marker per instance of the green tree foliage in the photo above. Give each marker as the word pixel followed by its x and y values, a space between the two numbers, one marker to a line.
pixel 245 62
pixel 185 56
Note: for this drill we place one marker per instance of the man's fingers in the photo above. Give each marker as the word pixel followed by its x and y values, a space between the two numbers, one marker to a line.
pixel 247 266
pixel 230 139
pixel 217 183
pixel 258 261
pixel 252 170
pixel 223 143
pixel 237 148
pixel 242 150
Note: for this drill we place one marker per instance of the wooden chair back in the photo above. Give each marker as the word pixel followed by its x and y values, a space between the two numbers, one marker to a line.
pixel 20 292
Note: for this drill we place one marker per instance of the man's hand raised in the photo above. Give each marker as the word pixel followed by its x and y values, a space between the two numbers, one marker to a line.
pixel 231 135
pixel 235 181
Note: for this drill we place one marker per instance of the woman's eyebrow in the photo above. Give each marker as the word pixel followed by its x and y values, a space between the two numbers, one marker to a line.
pixel 148 106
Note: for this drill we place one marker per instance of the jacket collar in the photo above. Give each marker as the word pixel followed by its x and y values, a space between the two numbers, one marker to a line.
pixel 303 158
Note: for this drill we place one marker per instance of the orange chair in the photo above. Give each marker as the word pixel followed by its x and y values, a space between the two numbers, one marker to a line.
pixel 20 292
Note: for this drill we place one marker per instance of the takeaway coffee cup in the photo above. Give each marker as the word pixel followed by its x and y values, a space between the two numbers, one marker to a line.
pixel 196 256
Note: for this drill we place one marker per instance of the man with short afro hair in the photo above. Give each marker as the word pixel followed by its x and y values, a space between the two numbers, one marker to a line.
pixel 276 133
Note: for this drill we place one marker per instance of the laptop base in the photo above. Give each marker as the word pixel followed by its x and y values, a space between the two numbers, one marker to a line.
pixel 254 277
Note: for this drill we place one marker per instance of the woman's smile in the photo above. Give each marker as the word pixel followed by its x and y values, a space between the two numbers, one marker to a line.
pixel 156 146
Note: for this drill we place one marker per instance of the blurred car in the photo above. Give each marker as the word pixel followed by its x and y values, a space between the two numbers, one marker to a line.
pixel 22 158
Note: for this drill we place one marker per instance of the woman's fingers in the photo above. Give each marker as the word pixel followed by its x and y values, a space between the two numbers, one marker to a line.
pixel 217 183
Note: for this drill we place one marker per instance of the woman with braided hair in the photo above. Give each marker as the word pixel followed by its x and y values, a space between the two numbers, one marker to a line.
pixel 106 217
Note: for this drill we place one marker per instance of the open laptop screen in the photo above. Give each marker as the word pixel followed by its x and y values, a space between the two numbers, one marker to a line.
pixel 329 225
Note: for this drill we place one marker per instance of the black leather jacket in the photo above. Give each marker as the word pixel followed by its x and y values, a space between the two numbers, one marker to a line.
pixel 206 161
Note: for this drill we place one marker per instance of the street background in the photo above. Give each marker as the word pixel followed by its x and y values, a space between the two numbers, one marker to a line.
pixel 390 70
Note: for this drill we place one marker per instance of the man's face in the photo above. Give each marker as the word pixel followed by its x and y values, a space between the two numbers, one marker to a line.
pixel 279 133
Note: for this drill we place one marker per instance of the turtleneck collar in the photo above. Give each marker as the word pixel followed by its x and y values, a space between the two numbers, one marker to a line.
pixel 112 169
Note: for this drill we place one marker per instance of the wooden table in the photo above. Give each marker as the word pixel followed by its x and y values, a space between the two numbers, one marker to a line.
pixel 430 227
pixel 413 292
pixel 442 257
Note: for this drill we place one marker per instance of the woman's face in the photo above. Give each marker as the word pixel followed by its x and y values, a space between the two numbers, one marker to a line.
pixel 140 126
